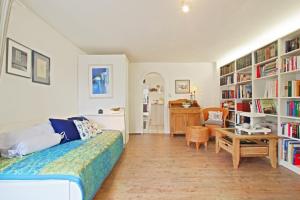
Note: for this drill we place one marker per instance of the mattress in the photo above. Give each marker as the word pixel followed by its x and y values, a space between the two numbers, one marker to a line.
pixel 84 163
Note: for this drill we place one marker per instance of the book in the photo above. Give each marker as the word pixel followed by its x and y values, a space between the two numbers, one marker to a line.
pixel 293 108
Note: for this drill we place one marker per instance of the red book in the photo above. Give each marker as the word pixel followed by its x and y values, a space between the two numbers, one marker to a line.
pixel 297 159
pixel 258 71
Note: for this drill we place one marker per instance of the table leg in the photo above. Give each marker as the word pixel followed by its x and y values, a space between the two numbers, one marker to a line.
pixel 217 143
pixel 236 152
pixel 273 152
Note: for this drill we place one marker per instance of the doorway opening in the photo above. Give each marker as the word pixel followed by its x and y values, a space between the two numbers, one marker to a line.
pixel 153 103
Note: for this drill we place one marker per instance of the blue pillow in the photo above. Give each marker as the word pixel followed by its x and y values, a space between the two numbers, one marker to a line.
pixel 67 126
pixel 79 118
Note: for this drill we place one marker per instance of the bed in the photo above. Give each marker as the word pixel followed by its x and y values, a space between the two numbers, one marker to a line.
pixel 70 171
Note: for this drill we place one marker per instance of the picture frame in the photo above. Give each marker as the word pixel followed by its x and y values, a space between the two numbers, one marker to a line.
pixel 182 86
pixel 18 59
pixel 100 81
pixel 40 68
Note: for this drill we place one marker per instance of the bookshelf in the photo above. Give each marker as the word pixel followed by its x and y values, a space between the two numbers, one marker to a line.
pixel 271 74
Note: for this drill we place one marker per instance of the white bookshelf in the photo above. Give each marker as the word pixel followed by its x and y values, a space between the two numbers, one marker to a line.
pixel 258 87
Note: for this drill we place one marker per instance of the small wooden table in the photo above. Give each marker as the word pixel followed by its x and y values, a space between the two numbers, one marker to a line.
pixel 247 145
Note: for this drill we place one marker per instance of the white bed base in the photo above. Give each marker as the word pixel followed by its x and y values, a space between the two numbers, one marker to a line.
pixel 39 189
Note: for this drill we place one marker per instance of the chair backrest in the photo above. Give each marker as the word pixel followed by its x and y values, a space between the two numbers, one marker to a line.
pixel 223 110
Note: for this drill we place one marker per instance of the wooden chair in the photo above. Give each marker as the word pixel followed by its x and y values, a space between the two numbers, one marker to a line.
pixel 211 127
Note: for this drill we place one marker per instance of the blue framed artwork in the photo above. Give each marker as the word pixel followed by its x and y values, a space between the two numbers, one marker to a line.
pixel 100 78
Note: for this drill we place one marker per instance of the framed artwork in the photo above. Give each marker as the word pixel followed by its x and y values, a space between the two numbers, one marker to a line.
pixel 40 68
pixel 182 86
pixel 18 59
pixel 100 80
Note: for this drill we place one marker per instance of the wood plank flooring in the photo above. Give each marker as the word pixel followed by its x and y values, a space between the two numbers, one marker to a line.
pixel 161 167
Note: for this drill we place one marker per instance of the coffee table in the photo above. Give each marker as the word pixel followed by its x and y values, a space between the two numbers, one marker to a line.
pixel 244 145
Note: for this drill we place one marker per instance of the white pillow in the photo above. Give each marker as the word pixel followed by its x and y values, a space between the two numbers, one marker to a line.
pixel 94 128
pixel 9 139
pixel 215 115
pixel 32 144
pixel 83 128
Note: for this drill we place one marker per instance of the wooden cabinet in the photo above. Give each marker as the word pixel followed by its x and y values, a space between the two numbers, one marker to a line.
pixel 181 118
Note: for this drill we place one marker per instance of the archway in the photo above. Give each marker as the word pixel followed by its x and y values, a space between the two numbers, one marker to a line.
pixel 153 103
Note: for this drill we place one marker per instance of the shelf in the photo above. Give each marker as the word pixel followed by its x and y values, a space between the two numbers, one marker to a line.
pixel 227 74
pixel 266 98
pixel 291 167
pixel 244 69
pixel 267 77
pixel 250 131
pixel 252 115
pixel 243 82
pixel 231 110
pixel 271 115
pixel 232 99
pixel 289 97
pixel 244 99
pixel 267 61
pixel 290 117
pixel 228 85
pixel 290 72
pixel 289 137
pixel 291 53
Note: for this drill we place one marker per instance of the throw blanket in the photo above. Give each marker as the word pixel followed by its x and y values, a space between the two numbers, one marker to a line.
pixel 86 163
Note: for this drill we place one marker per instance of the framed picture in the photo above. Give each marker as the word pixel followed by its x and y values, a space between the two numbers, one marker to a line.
pixel 182 86
pixel 100 80
pixel 18 59
pixel 40 68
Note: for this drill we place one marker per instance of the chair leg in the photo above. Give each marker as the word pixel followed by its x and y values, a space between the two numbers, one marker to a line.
pixel 197 145
pixel 205 144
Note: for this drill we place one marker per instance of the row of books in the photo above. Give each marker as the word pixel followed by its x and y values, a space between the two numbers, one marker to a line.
pixel 293 108
pixel 229 105
pixel 292 88
pixel 267 106
pixel 228 94
pixel 227 69
pixel 244 62
pixel 266 53
pixel 243 77
pixel 231 116
pixel 227 80
pixel 290 129
pixel 293 44
pixel 290 151
pixel 242 119
pixel 271 89
pixel 244 91
pixel 290 64
pixel 266 69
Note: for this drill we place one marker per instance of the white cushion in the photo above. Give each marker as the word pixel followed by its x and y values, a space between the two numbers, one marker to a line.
pixel 215 115
pixel 32 144
pixel 9 139
pixel 83 128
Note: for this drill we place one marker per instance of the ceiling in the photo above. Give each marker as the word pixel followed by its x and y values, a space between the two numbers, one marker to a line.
pixel 157 30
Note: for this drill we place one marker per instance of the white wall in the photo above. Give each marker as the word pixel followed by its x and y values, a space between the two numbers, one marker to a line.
pixel 22 102
pixel 201 75
pixel 119 64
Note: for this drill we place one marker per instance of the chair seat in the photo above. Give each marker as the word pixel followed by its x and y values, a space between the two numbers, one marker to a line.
pixel 197 134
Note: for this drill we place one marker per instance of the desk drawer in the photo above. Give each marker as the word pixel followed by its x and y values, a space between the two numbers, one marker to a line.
pixel 225 144
pixel 254 151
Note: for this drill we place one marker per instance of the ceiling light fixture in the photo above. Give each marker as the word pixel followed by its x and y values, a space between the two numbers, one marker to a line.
pixel 185 6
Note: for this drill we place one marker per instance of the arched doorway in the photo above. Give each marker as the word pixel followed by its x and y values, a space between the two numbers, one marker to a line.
pixel 153 103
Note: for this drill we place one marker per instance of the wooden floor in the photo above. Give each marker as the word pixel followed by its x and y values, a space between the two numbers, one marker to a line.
pixel 160 167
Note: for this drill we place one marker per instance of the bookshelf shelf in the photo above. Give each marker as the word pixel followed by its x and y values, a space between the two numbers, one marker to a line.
pixel 290 72
pixel 271 115
pixel 245 69
pixel 262 98
pixel 227 74
pixel 290 166
pixel 230 121
pixel 243 82
pixel 232 99
pixel 291 53
pixel 267 77
pixel 244 99
pixel 285 136
pixel 267 61
pixel 289 97
pixel 290 117
pixel 228 85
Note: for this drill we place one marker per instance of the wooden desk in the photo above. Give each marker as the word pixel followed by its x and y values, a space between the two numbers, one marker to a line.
pixel 181 118
pixel 243 145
